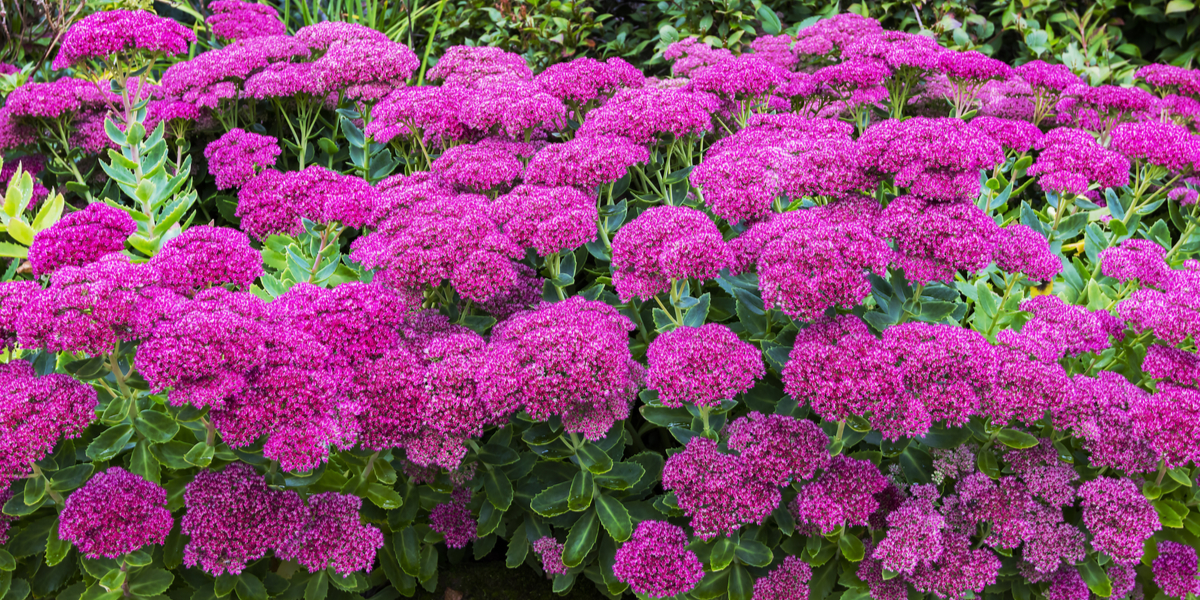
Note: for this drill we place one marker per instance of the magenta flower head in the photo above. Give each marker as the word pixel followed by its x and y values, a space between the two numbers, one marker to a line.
pixel 319 36
pixel 1057 329
pixel 582 80
pixel 274 202
pixel 938 159
pixel 205 256
pixel 232 518
pixel 934 240
pixel 569 359
pixel 656 562
pixel 1143 260
pixel 238 20
pixel 1119 518
pixel 949 369
pixel 1168 145
pixel 550 551
pixel 1175 570
pixel 811 260
pixel 115 513
pixel 831 35
pixel 204 349
pixel 1169 77
pixel 960 568
pixel 547 219
pixel 666 244
pixel 842 496
pixel 1026 385
pixel 1011 134
pixel 234 158
pixel 1023 250
pixel 333 536
pixel 89 309
pixel 364 69
pixel 740 78
pixel 478 167
pixel 1170 421
pixel 701 366
pixel 719 491
pixel 80 238
pixel 14 297
pixel 914 536
pixel 453 519
pixel 1176 366
pixel 644 114
pixel 1046 76
pixel 14 135
pixel 448 237
pixel 788 581
pixel 779 448
pixel 1071 160
pixel 35 412
pixel 1099 412
pixel 585 162
pixel 102 34
pixel 840 369
pixel 464 66
pixel 1067 584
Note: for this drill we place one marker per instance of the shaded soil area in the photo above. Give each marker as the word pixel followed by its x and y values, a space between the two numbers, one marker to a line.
pixel 491 580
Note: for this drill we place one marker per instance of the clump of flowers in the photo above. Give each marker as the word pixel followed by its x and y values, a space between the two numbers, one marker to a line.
pixel 237 20
pixel 934 240
pixel 664 245
pixel 80 238
pixel 233 518
pixel 550 551
pixel 788 581
pixel 236 157
pixel 1119 518
pixel 585 162
pixel 275 202
pixel 779 448
pixel 1175 570
pixel 103 34
pixel 937 159
pixel 35 412
pixel 333 536
pixel 1071 160
pixel 718 491
pixel 547 219
pixel 841 496
pixel 701 366
pixel 115 513
pixel 205 256
pixel 656 561
pixel 569 359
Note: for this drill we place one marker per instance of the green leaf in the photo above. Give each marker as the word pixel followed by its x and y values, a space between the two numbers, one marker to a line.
pixel 384 496
pixel 159 427
pixel 113 580
pixel 1175 6
pixel 9 250
pixel 741 584
pixel 317 587
pixel 722 554
pixel 581 539
pixel 21 231
pixel 851 547
pixel 1168 513
pixel 753 553
pixel 986 461
pixel 353 134
pixel 499 488
pixel 110 443
pixel 622 476
pixel 1016 439
pixel 552 501
pixel 579 497
pixel 594 459
pixel 200 455
pixel 698 314
pixel 7 562
pixel 408 551
pixel 150 582
pixel 143 463
pixel 489 520
pixel 615 517
pixel 770 21
pixel 56 548
pixel 495 454
pixel 1096 579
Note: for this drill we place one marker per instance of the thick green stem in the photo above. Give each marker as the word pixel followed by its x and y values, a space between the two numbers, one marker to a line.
pixel 37 472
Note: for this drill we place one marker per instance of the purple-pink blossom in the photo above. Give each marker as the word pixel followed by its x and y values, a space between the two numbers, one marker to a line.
pixel 236 157
pixel 115 513
pixel 662 245
pixel 842 496
pixel 80 238
pixel 102 34
pixel 701 366
pixel 1119 518
pixel 656 561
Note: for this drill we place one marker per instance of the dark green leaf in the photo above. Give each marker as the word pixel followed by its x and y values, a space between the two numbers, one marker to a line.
pixel 770 21
pixel 579 497
pixel 552 501
pixel 159 427
pixel 753 553
pixel 615 517
pixel 150 582
pixel 495 454
pixel 65 480
pixel 581 539
pixel 987 464
pixel 56 548
pixel 1095 577
pixel 317 587
pixel 1016 439
pixel 851 547
pixel 698 314
pixel 722 554
pixel 741 584
pixel 713 586
pixel 594 459
pixel 622 476
pixel 489 519
pixel 110 443
pixel 7 562
pixel 408 550
pixel 143 463
pixel 200 455
pixel 384 497
pixel 499 488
